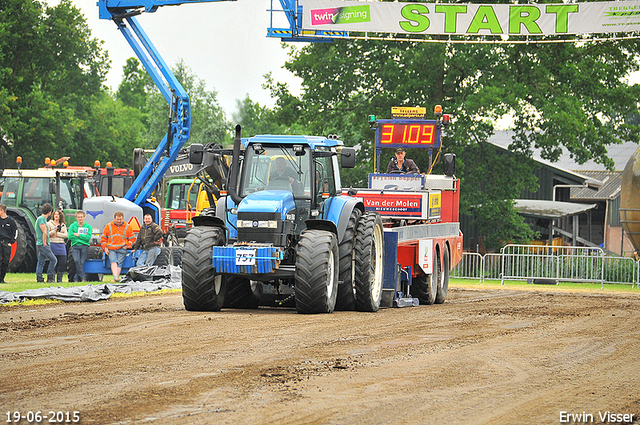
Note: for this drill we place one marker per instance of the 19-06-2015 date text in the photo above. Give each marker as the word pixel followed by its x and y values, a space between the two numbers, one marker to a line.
pixel 50 416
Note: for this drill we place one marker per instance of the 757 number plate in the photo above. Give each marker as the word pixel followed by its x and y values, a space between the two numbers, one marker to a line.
pixel 245 257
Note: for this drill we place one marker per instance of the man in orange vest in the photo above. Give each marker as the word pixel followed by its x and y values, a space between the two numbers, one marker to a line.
pixel 116 239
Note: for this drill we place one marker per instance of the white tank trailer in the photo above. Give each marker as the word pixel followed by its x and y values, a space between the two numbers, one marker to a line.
pixel 99 212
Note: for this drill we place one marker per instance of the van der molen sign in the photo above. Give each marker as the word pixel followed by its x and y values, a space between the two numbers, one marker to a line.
pixel 472 19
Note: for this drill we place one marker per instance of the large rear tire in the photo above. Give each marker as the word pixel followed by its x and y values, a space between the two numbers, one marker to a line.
pixel 202 288
pixel 425 287
pixel 346 287
pixel 243 293
pixel 369 248
pixel 316 284
pixel 28 264
pixel 443 285
pixel 20 250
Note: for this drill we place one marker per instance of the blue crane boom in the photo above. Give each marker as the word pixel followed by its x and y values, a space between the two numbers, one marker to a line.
pixel 122 13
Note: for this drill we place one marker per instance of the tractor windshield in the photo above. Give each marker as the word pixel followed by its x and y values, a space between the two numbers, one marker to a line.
pixel 277 168
pixel 33 192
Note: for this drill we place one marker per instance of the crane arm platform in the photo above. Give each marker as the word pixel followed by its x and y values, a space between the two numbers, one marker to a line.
pixel 292 10
pixel 122 13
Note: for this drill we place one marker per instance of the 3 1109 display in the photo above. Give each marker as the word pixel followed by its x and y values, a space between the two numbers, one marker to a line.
pixel 416 134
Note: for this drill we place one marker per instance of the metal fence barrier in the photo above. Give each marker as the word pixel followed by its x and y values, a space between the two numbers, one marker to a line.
pixel 531 262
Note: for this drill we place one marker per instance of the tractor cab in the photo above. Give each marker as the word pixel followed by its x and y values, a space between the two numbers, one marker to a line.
pixel 30 189
pixel 283 181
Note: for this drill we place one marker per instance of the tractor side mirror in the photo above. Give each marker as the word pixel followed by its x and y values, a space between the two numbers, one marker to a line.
pixel 52 187
pixel 196 153
pixel 449 164
pixel 348 157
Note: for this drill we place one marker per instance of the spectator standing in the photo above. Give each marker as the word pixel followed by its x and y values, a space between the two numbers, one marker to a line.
pixel 80 238
pixel 149 240
pixel 58 235
pixel 116 239
pixel 8 235
pixel 43 247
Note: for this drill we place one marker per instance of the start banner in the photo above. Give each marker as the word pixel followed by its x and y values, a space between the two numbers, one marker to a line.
pixel 472 19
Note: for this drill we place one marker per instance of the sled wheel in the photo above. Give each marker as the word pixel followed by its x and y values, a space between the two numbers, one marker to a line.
pixel 425 287
pixel 443 285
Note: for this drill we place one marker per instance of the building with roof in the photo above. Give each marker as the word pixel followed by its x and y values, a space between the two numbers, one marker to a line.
pixel 596 191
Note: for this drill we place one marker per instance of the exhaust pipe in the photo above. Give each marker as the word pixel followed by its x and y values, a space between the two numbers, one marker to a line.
pixel 233 178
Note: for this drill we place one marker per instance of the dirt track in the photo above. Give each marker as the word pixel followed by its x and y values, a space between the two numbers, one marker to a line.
pixel 483 357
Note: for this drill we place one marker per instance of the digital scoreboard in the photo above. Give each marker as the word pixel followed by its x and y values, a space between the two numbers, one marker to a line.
pixel 407 133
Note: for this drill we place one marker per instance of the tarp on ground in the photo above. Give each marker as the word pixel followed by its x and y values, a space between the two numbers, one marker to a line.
pixel 138 279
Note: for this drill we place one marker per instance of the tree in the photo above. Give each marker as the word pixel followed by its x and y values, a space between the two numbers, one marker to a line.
pixel 51 73
pixel 111 133
pixel 208 121
pixel 570 95
pixel 131 90
pixel 256 119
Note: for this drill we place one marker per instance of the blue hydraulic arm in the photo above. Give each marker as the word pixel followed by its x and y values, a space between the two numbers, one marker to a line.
pixel 123 13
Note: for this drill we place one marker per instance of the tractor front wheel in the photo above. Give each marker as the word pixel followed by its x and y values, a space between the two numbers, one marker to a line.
pixel 202 288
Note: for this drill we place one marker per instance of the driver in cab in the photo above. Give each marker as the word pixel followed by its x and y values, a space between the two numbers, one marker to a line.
pixel 400 164
pixel 283 172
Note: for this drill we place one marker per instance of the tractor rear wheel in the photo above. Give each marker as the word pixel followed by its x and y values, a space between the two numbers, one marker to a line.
pixel 443 283
pixel 425 287
pixel 20 250
pixel 28 264
pixel 202 288
pixel 369 247
pixel 346 287
pixel 316 275
pixel 243 293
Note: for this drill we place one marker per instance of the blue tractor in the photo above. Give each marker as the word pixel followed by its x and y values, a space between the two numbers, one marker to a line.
pixel 284 234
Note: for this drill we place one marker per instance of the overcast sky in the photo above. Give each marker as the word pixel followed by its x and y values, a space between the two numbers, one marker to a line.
pixel 224 44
